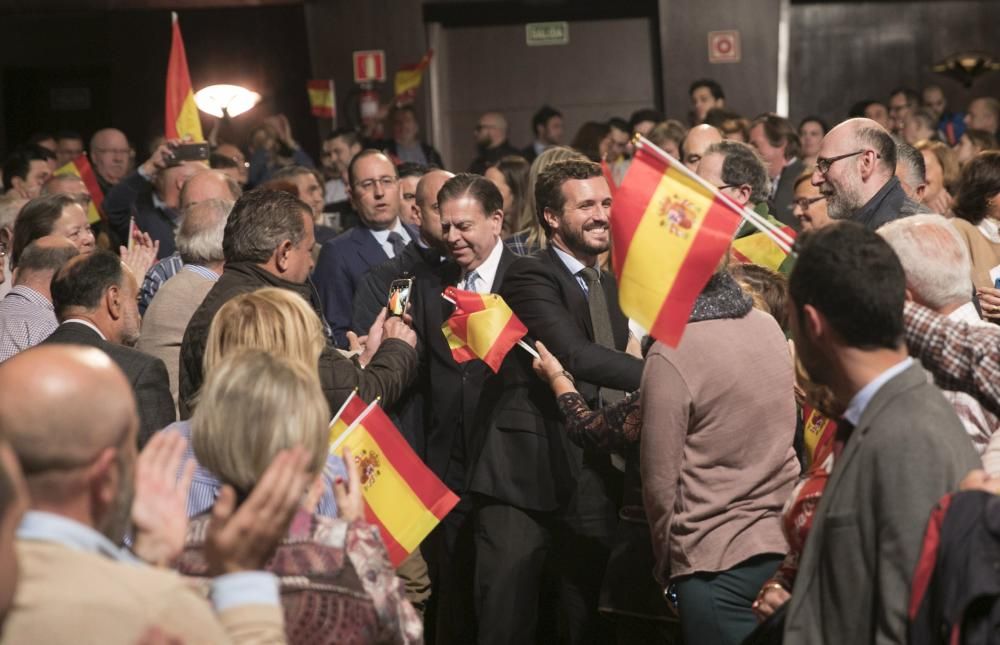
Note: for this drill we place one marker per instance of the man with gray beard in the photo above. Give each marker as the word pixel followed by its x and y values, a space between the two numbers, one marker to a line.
pixel 855 170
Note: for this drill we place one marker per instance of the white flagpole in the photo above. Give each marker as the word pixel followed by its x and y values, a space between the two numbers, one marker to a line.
pixel 354 393
pixel 778 236
pixel 343 437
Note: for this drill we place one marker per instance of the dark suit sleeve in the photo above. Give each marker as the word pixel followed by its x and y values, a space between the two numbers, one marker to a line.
pixel 336 289
pixel 156 405
pixel 119 204
pixel 388 374
pixel 532 292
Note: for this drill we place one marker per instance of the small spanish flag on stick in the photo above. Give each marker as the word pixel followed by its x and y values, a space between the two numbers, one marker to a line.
pixel 182 113
pixel 80 167
pixel 760 249
pixel 669 230
pixel 408 79
pixel 403 498
pixel 322 98
pixel 482 326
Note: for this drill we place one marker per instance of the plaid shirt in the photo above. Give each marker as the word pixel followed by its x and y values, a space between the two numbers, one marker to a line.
pixel 962 357
pixel 26 319
pixel 156 276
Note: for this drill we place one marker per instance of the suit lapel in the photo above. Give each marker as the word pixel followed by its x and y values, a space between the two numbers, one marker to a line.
pixel 576 300
pixel 369 250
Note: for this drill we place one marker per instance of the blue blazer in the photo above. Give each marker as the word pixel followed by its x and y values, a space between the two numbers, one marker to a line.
pixel 342 262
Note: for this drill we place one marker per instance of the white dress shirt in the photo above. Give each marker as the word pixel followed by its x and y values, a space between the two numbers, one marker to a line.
pixel 486 272
pixel 382 237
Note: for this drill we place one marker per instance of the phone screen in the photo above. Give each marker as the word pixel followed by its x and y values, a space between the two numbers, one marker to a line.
pixel 399 296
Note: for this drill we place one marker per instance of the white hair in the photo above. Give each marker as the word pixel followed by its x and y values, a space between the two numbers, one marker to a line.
pixel 934 257
pixel 199 237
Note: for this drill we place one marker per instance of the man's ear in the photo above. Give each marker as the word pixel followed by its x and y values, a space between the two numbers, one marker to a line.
pixel 551 219
pixel 103 478
pixel 745 193
pixel 282 254
pixel 920 191
pixel 814 323
pixel 417 215
pixel 18 185
pixel 113 302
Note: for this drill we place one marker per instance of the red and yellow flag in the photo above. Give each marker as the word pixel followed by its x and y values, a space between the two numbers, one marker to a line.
pixel 402 496
pixel 346 415
pixel 669 230
pixel 182 113
pixel 322 98
pixel 80 167
pixel 409 78
pixel 482 326
pixel 761 249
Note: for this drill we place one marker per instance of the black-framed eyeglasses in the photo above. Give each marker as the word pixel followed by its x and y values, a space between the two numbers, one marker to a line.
pixel 483 126
pixel 725 186
pixel 368 185
pixel 805 202
pixel 3 249
pixel 823 164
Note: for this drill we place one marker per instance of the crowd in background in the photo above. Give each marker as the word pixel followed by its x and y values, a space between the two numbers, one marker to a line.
pixel 816 461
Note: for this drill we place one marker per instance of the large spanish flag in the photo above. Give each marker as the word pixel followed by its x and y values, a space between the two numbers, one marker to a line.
pixel 80 167
pixel 346 415
pixel 182 114
pixel 408 79
pixel 402 496
pixel 482 326
pixel 669 231
pixel 322 98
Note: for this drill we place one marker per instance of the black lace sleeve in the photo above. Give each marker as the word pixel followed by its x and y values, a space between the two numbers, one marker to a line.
pixel 607 429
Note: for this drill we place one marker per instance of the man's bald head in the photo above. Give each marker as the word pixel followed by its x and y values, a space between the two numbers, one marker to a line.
pixel 427 207
pixel 41 259
pixel 209 184
pixel 491 129
pixel 61 406
pixel 65 185
pixel 859 156
pixel 698 139
pixel 109 152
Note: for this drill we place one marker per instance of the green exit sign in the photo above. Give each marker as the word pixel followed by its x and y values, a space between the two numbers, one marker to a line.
pixel 547 33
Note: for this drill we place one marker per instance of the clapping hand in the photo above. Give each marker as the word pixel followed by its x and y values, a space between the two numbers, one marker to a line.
pixel 159 510
pixel 245 538
pixel 350 503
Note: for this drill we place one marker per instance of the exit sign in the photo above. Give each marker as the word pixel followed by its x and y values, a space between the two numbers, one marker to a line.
pixel 547 33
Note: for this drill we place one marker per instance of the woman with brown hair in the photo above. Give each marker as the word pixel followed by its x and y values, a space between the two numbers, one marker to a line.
pixel 942 175
pixel 510 175
pixel 977 215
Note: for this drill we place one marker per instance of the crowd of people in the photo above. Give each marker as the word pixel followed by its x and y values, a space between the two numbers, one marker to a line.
pixel 812 463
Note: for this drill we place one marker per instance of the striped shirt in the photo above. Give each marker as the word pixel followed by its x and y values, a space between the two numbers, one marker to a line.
pixel 26 319
pixel 156 276
pixel 205 485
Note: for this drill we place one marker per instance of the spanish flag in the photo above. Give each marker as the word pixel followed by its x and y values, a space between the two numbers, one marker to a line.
pixel 182 114
pixel 402 496
pixel 669 230
pixel 322 98
pixel 760 249
pixel 482 326
pixel 346 415
pixel 409 78
pixel 80 167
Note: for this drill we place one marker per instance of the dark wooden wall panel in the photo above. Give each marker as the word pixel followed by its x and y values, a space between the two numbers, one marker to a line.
pixel 750 85
pixel 605 70
pixel 845 52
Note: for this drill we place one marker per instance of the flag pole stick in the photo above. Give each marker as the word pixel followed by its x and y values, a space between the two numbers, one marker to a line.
pixel 778 236
pixel 343 437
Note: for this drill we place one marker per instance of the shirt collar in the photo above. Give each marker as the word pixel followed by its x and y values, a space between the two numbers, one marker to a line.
pixel 201 270
pixel 864 396
pixel 40 526
pixel 382 237
pixel 87 323
pixel 487 271
pixel 990 229
pixel 967 313
pixel 32 296
pixel 571 263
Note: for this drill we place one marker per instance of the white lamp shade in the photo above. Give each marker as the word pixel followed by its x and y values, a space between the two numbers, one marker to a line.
pixel 235 99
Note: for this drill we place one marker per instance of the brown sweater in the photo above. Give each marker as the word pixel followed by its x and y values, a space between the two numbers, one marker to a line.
pixel 985 254
pixel 718 420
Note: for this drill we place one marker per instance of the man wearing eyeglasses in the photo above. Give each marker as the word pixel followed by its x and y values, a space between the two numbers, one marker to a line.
pixel 373 186
pixel 855 171
pixel 491 142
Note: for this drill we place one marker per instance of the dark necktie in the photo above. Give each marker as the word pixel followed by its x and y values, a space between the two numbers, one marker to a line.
pixel 397 242
pixel 600 319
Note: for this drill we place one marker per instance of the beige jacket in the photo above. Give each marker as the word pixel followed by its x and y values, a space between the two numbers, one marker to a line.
pixel 69 596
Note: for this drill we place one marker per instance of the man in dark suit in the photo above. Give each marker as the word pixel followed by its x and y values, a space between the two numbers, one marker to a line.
pixel 344 260
pixel 777 142
pixel 470 222
pixel 426 251
pixel 151 195
pixel 95 301
pixel 539 497
pixel 898 449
